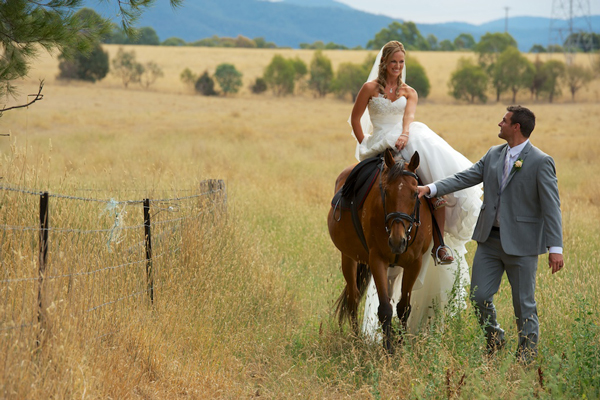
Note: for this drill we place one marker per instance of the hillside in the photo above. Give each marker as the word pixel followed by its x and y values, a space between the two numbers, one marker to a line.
pixel 291 22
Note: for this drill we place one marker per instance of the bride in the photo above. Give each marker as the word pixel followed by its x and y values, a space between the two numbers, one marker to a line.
pixel 383 117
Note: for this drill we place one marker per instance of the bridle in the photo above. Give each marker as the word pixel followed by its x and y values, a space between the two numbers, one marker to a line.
pixel 413 220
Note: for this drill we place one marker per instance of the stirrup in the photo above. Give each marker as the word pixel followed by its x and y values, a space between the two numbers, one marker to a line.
pixel 449 256
pixel 439 202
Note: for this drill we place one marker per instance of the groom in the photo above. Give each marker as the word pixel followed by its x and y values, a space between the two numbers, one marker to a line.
pixel 520 219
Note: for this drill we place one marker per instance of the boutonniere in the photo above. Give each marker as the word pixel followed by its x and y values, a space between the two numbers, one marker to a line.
pixel 518 164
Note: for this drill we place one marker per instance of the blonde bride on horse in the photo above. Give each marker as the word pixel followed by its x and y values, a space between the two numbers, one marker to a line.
pixel 383 117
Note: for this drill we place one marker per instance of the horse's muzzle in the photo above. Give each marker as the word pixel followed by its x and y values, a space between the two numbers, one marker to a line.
pixel 398 246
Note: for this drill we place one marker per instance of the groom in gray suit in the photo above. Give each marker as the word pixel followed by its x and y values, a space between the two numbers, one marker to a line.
pixel 520 219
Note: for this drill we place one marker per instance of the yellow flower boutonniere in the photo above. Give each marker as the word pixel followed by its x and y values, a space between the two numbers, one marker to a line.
pixel 518 164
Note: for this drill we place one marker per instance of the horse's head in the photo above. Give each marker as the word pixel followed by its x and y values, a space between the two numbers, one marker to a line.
pixel 400 200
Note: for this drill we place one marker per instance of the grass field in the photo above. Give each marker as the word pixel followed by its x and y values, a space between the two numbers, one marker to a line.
pixel 244 309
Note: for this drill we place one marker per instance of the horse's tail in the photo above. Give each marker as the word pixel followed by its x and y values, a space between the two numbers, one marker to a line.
pixel 363 275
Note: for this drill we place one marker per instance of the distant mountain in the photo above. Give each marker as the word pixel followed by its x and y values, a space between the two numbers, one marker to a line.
pixel 291 22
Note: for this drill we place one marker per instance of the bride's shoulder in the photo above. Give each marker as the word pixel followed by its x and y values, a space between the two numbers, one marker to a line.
pixel 408 90
pixel 371 86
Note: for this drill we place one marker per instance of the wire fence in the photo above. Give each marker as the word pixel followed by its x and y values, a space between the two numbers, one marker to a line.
pixel 85 256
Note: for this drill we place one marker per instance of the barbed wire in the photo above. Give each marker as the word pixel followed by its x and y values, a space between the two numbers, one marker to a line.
pixel 112 267
pixel 122 298
pixel 63 196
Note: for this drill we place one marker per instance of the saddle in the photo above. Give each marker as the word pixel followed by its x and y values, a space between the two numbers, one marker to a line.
pixel 355 190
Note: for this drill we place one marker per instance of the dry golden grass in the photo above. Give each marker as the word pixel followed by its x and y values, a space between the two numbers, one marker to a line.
pixel 244 306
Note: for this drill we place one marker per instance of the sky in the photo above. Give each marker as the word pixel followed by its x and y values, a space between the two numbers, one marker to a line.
pixel 473 11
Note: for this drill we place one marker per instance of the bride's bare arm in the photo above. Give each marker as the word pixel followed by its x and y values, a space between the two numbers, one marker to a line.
pixel 412 98
pixel 360 105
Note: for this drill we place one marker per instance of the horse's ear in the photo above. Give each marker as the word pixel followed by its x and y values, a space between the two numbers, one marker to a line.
pixel 414 162
pixel 389 158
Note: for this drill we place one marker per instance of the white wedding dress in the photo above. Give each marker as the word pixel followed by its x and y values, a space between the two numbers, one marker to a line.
pixel 435 284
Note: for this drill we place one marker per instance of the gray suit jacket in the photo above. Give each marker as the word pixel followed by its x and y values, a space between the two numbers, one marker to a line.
pixel 530 217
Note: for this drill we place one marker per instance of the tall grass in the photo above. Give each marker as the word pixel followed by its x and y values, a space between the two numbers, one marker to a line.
pixel 243 303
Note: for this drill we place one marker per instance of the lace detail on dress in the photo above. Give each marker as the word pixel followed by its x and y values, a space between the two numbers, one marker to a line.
pixel 384 106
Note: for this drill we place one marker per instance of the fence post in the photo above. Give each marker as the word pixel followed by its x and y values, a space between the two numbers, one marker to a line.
pixel 217 194
pixel 148 243
pixel 43 252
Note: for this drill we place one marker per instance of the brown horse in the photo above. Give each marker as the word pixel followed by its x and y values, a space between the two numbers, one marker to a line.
pixel 398 230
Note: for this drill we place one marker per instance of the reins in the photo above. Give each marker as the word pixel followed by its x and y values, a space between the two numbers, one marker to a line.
pixel 414 219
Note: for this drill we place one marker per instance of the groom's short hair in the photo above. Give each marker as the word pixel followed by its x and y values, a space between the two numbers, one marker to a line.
pixel 524 117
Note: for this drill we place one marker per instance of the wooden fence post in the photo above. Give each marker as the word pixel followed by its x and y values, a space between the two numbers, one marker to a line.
pixel 217 194
pixel 148 243
pixel 42 257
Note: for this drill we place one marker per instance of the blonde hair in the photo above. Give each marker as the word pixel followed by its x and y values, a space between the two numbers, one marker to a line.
pixel 388 51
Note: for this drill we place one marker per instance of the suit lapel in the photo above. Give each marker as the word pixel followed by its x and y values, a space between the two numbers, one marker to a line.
pixel 522 156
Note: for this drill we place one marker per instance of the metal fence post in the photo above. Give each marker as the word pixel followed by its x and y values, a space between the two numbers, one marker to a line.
pixel 42 257
pixel 148 243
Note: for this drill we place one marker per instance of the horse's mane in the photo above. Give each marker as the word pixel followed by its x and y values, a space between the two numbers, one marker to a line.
pixel 398 167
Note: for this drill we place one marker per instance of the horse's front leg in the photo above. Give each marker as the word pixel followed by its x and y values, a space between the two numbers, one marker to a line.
pixel 385 311
pixel 409 278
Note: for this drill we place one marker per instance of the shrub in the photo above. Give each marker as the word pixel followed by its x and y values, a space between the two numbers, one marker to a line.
pixel 417 77
pixel 126 67
pixel 260 86
pixel 229 78
pixel 205 85
pixel 321 74
pixel 468 82
pixel 279 75
pixel 91 67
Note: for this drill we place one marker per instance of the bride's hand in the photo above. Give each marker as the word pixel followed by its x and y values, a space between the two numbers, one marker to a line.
pixel 401 142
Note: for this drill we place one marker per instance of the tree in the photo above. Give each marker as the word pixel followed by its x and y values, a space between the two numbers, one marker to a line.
pixel 582 41
pixel 261 43
pixel 511 71
pixel 90 67
pixel 468 82
pixel 464 41
pixel 491 45
pixel 321 74
pixel 174 41
pixel 539 78
pixel 553 70
pixel 206 85
pixel 406 32
pixel 188 77
pixel 349 79
pixel 229 78
pixel 416 75
pixel 446 45
pixel 28 26
pixel 577 76
pixel 126 67
pixel 280 75
pixel 432 41
pixel 260 86
pixel 150 73
pixel 145 35
pixel 537 48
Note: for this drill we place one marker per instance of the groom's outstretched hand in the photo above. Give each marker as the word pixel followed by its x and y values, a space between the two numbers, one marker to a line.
pixel 423 191
pixel 555 262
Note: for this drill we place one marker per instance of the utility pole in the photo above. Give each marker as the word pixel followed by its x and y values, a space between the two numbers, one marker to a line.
pixel 506 20
pixel 569 25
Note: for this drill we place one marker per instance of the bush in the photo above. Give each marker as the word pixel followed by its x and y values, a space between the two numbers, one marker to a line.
pixel 260 86
pixel 174 41
pixel 126 67
pixel 205 85
pixel 416 75
pixel 280 75
pixel 229 78
pixel 150 73
pixel 350 78
pixel 468 82
pixel 321 74
pixel 92 67
pixel 188 77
